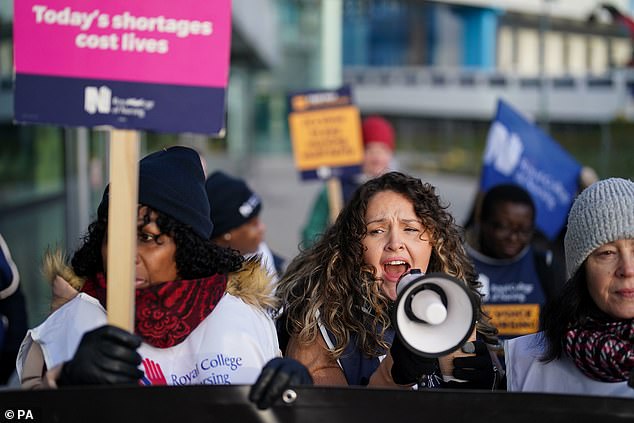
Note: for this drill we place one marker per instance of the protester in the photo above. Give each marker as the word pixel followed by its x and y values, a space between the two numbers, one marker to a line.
pixel 235 211
pixel 201 309
pixel 337 296
pixel 586 346
pixel 13 316
pixel 553 247
pixel 517 279
pixel 379 144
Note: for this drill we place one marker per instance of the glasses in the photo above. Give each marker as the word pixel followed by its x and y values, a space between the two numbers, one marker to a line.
pixel 505 231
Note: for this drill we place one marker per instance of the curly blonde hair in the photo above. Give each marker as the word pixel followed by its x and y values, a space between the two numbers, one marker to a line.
pixel 330 283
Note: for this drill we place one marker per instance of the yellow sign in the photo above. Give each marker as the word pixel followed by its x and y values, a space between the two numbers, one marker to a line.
pixel 514 319
pixel 327 137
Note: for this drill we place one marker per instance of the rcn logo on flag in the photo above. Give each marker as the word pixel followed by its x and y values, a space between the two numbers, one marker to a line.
pixel 504 149
pixel 519 152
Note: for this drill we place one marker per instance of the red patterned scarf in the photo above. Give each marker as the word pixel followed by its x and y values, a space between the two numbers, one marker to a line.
pixel 165 314
pixel 602 350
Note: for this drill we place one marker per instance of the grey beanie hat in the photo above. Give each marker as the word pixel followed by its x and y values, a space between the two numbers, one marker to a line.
pixel 602 213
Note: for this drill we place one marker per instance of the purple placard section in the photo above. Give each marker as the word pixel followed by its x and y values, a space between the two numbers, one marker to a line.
pixel 338 172
pixel 125 105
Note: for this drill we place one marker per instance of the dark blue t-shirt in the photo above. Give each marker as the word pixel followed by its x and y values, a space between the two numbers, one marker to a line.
pixel 513 293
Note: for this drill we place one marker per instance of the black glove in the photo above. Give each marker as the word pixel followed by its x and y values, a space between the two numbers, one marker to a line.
pixel 106 355
pixel 478 371
pixel 409 367
pixel 277 376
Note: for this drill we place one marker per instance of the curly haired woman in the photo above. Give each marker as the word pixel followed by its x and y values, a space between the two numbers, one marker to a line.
pixel 201 314
pixel 337 296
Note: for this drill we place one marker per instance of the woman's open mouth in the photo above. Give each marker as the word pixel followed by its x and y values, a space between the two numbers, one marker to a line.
pixel 394 269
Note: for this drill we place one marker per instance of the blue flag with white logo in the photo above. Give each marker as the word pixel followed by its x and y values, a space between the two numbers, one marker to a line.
pixel 517 151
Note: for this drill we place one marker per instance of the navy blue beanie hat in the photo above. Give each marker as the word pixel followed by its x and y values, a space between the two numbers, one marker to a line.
pixel 172 181
pixel 232 202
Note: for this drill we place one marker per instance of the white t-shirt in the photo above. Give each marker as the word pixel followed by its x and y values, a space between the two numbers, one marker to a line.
pixel 230 346
pixel 526 373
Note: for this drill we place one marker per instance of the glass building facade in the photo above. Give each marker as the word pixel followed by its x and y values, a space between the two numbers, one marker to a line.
pixel 409 33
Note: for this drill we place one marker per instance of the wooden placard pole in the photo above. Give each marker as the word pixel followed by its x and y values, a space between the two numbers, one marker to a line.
pixel 122 227
pixel 335 197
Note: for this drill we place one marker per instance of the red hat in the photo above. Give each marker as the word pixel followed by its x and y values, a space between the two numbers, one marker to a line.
pixel 378 129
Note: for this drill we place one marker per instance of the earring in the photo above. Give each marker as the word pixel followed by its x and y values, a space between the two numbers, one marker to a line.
pixel 227 237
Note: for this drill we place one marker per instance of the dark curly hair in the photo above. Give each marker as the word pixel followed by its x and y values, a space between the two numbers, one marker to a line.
pixel 195 257
pixel 331 280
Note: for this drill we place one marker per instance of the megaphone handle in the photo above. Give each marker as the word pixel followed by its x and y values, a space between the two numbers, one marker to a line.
pixel 446 361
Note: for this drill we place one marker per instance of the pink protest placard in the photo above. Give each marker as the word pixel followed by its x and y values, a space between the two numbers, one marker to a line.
pixel 180 42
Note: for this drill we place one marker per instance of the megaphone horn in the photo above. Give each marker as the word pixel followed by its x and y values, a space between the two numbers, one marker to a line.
pixel 435 313
pixel 426 303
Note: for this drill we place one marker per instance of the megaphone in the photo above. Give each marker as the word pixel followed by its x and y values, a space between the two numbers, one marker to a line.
pixel 435 313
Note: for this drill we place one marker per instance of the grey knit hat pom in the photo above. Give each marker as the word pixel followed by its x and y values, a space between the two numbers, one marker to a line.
pixel 602 213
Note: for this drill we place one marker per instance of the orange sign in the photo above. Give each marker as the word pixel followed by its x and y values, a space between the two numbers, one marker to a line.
pixel 514 319
pixel 328 137
pixel 325 130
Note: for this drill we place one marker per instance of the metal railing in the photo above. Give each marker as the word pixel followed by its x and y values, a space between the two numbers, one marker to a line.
pixel 473 94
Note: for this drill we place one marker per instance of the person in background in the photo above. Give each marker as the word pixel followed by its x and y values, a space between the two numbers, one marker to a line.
pixel 516 278
pixel 587 176
pixel 587 344
pixel 13 316
pixel 379 145
pixel 235 210
pixel 337 296
pixel 201 310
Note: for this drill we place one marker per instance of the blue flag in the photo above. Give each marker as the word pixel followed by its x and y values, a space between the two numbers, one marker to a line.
pixel 517 151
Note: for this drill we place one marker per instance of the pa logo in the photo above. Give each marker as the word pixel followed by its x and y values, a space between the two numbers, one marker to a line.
pixel 97 99
pixel 504 149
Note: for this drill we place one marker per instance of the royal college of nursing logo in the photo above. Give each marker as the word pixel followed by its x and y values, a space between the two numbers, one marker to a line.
pixel 152 373
pixel 100 100
pixel 97 99
pixel 503 150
